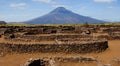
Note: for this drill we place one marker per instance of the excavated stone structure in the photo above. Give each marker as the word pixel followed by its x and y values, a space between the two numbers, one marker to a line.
pixel 55 61
pixel 57 39
pixel 48 39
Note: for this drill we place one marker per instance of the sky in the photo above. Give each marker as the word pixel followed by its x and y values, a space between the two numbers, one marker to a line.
pixel 23 10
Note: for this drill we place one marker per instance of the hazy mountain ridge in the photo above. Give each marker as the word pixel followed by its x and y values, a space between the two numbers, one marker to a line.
pixel 3 22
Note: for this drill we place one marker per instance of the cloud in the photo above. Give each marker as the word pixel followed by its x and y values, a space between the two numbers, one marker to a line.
pixel 83 8
pixel 18 5
pixel 113 7
pixel 53 3
pixel 59 5
pixel 105 1
pixel 110 7
pixel 44 1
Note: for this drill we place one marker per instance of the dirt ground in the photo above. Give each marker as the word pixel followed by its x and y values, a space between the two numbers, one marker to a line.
pixel 107 56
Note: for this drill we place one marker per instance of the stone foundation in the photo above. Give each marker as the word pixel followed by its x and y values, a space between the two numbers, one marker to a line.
pixel 54 48
pixel 56 61
pixel 60 61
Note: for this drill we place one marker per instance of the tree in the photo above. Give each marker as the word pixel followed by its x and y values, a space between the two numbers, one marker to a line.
pixel 86 24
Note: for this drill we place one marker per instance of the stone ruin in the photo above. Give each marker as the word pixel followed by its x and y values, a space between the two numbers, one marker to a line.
pixel 53 48
pixel 48 39
pixel 112 32
pixel 61 61
pixel 52 39
pixel 57 61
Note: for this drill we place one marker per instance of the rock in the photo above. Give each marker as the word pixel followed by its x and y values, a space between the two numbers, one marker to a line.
pixel 107 65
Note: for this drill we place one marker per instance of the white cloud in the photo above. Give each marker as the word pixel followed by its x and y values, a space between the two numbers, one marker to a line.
pixel 18 5
pixel 83 8
pixel 111 7
pixel 58 5
pixel 108 1
pixel 45 1
pixel 53 3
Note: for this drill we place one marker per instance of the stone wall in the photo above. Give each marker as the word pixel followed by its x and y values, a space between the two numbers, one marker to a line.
pixel 49 48
pixel 48 37
pixel 61 37
pixel 115 37
pixel 28 32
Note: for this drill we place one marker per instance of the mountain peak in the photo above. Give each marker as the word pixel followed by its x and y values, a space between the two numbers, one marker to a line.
pixel 62 15
pixel 60 10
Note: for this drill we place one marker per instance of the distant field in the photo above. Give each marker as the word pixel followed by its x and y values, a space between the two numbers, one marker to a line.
pixel 106 24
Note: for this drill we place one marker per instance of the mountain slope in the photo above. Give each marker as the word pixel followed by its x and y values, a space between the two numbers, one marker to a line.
pixel 62 16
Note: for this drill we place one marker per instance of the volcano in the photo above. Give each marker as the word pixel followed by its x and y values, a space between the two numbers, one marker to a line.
pixel 62 15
